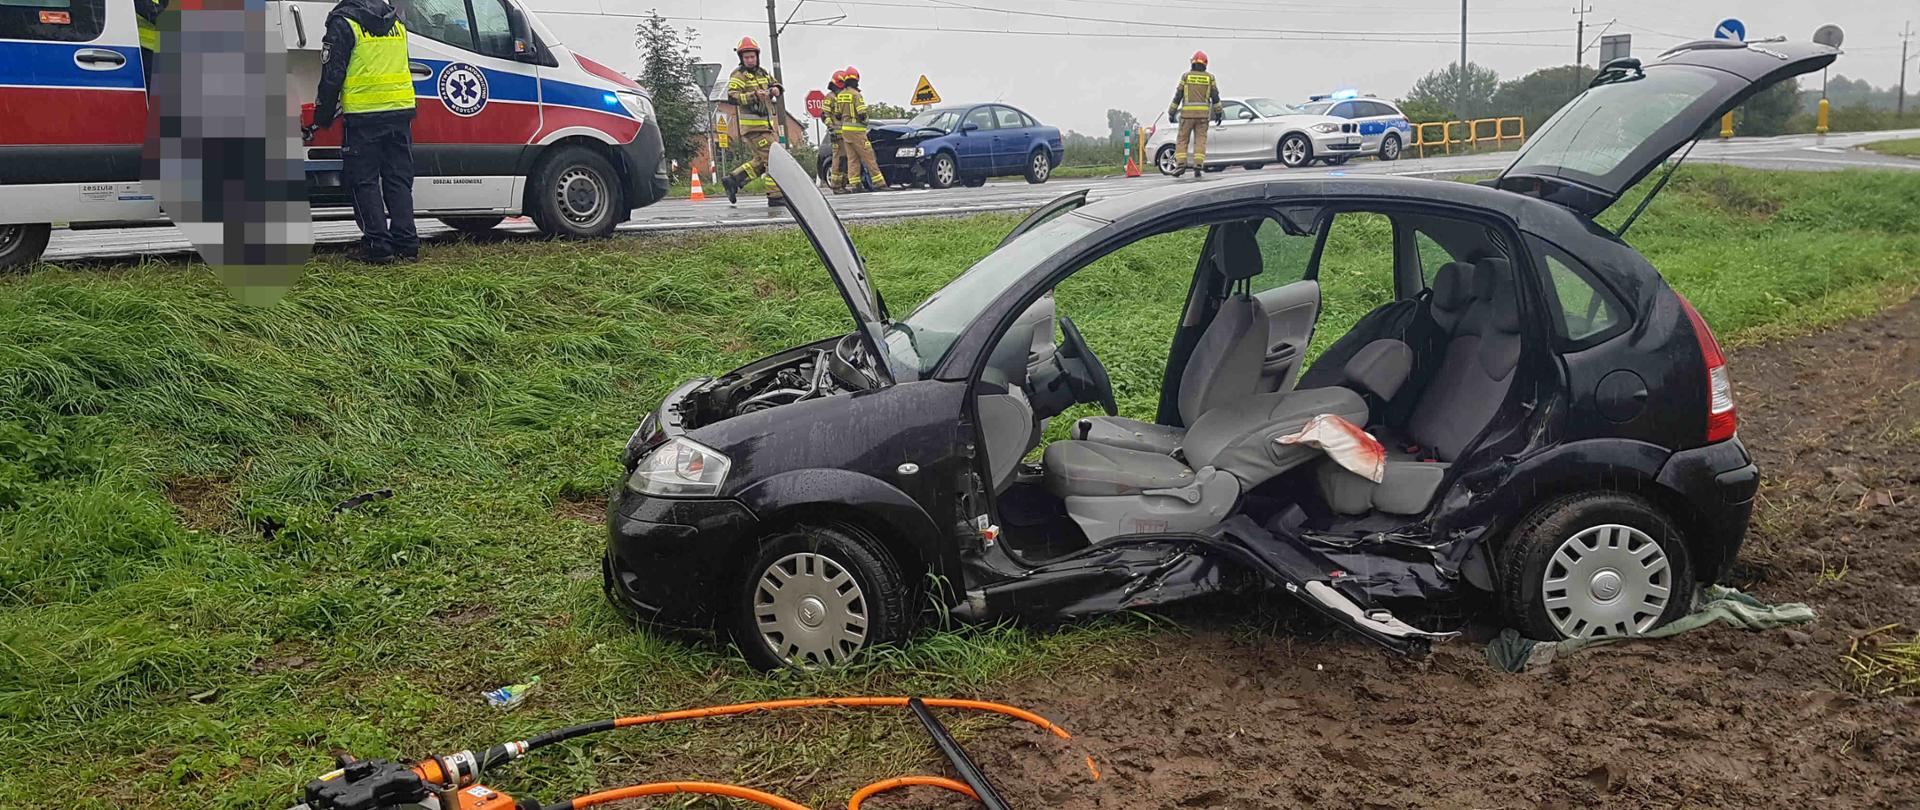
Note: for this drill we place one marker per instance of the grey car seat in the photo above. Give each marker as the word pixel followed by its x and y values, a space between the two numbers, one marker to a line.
pixel 1224 366
pixel 1110 490
pixel 1473 380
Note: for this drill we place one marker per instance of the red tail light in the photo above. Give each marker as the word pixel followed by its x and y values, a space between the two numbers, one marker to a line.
pixel 1722 418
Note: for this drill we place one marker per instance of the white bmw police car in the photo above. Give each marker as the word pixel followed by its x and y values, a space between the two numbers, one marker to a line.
pixel 1384 129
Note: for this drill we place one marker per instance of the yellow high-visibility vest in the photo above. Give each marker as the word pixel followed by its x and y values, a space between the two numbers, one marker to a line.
pixel 149 35
pixel 377 76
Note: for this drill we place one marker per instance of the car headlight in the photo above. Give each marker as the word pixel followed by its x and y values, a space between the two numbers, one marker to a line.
pixel 1325 128
pixel 680 467
pixel 910 152
pixel 636 102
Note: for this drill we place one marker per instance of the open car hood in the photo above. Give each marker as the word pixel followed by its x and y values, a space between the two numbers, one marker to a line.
pixel 830 240
pixel 1633 116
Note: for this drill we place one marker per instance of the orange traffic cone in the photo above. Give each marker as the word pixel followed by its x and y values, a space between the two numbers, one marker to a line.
pixel 697 194
pixel 1133 169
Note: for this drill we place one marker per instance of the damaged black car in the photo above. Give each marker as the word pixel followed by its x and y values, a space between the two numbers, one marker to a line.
pixel 1555 426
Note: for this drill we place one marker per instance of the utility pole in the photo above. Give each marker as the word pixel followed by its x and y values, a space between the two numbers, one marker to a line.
pixel 1460 97
pixel 1580 44
pixel 779 103
pixel 1900 102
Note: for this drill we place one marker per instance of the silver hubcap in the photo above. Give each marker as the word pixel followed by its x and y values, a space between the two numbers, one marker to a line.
pixel 810 610
pixel 582 196
pixel 1040 166
pixel 1293 151
pixel 1392 148
pixel 1167 166
pixel 944 169
pixel 1609 580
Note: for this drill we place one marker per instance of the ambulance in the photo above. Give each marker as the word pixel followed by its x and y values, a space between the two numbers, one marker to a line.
pixel 510 121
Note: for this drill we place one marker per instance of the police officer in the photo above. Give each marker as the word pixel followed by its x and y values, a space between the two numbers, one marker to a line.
pixel 836 156
pixel 1196 101
pixel 753 92
pixel 364 74
pixel 851 108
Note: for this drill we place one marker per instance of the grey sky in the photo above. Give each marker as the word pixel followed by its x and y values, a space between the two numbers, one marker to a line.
pixel 1071 75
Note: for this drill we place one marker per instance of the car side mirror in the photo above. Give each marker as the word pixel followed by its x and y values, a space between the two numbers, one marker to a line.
pixel 1246 115
pixel 969 127
pixel 523 50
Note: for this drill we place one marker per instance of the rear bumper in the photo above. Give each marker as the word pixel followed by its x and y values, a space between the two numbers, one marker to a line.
pixel 668 558
pixel 1718 482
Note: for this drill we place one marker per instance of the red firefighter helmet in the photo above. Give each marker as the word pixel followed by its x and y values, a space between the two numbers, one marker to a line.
pixel 850 74
pixel 839 76
pixel 1199 57
pixel 746 44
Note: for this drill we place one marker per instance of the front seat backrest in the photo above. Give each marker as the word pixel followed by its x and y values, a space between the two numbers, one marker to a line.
pixel 1477 370
pixel 1225 365
pixel 1452 294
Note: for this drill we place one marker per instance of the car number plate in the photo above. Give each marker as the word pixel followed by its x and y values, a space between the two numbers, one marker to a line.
pixel 1353 139
pixel 904 151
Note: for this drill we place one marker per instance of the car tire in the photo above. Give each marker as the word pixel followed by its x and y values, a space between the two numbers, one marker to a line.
pixel 975 181
pixel 472 226
pixel 1602 547
pixel 1390 147
pixel 1294 151
pixel 1163 160
pixel 575 193
pixel 804 591
pixel 22 244
pixel 1254 167
pixel 943 171
pixel 1039 166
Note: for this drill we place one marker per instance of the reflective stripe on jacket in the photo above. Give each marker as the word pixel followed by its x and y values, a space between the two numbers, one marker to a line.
pixel 850 107
pixel 1196 97
pixel 748 88
pixel 377 76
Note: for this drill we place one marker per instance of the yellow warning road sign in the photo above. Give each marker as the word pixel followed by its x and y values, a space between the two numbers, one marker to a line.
pixel 923 93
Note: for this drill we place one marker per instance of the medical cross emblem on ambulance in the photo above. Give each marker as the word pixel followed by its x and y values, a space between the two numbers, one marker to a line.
pixel 463 88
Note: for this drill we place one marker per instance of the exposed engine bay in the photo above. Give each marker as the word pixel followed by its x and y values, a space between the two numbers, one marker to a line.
pixel 822 369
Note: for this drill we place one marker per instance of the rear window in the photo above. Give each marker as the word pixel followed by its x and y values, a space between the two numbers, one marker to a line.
pixel 1596 134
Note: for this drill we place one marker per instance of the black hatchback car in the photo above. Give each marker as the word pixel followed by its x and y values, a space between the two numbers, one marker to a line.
pixel 1558 423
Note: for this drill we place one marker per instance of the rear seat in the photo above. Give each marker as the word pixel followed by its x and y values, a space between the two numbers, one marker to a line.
pixel 1475 304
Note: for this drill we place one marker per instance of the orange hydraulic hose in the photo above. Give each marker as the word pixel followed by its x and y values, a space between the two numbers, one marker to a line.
pixel 843 702
pixel 898 782
pixel 667 788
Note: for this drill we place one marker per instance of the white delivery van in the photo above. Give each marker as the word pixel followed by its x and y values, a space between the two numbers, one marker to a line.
pixel 509 121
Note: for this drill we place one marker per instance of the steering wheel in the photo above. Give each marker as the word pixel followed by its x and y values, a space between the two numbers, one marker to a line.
pixel 1085 374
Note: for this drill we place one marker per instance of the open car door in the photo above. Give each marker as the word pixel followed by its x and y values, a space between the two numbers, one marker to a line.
pixel 1633 116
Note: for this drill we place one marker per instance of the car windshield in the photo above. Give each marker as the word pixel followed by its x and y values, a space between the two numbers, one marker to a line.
pixel 1598 131
pixel 1269 108
pixel 1316 107
pixel 943 120
pixel 919 341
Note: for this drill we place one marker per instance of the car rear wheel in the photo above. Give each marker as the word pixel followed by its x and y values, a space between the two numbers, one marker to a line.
pixel 1163 160
pixel 817 596
pixel 1595 565
pixel 1390 147
pixel 576 193
pixel 1295 151
pixel 472 225
pixel 1039 166
pixel 944 173
pixel 21 244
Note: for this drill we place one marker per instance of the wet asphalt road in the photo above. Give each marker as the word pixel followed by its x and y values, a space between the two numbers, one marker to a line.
pixel 1791 152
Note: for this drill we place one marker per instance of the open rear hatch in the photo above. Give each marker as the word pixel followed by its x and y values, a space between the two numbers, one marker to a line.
pixel 1633 116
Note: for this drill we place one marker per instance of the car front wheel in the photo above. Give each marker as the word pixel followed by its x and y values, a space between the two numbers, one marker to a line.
pixel 1595 565
pixel 817 596
pixel 1039 167
pixel 1295 151
pixel 944 173
pixel 576 193
pixel 21 244
pixel 1390 148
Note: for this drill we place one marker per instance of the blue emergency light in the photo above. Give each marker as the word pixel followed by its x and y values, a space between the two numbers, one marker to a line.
pixel 1345 94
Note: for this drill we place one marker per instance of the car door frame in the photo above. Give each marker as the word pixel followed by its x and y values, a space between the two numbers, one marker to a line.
pixel 494 140
pixel 1233 139
pixel 1011 146
pixel 95 89
pixel 973 149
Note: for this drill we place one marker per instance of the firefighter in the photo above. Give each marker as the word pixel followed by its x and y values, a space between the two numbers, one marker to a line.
pixel 146 20
pixel 754 93
pixel 851 108
pixel 364 76
pixel 836 156
pixel 1196 101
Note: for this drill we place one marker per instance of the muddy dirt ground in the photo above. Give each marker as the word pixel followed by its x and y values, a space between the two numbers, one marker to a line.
pixel 1719 718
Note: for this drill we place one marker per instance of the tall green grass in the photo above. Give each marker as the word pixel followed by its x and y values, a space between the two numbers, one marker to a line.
pixel 182 624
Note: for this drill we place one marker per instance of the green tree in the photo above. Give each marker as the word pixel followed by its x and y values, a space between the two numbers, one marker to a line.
pixel 881 109
pixel 1120 122
pixel 667 57
pixel 1422 110
pixel 1537 95
pixel 1769 111
pixel 1468 95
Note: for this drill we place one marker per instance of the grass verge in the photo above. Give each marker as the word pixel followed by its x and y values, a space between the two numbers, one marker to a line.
pixel 1905 147
pixel 183 624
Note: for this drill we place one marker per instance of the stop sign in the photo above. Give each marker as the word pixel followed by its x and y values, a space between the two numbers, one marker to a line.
pixel 816 104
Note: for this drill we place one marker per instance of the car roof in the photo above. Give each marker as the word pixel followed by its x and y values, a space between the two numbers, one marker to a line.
pixel 1528 213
